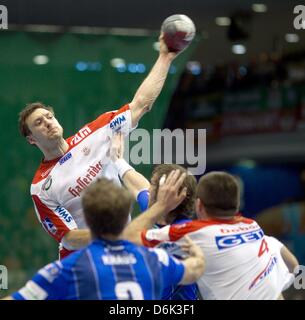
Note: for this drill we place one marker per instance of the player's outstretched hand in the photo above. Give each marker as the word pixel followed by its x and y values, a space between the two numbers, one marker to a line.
pixel 170 194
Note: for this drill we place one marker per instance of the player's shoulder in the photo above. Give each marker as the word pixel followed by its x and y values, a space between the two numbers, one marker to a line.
pixel 72 259
pixel 198 224
pixel 43 171
pixel 177 231
pixel 51 271
pixel 60 268
pixel 190 226
pixel 112 119
pixel 141 249
pixel 106 117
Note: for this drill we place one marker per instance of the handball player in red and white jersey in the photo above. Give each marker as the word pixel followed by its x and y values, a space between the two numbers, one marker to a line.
pixel 70 165
pixel 241 261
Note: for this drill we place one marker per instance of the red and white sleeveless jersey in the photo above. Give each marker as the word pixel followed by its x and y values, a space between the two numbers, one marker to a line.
pixel 241 262
pixel 58 184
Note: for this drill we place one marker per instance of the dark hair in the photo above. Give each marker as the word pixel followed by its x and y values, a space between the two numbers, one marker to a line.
pixel 187 206
pixel 106 208
pixel 219 192
pixel 26 112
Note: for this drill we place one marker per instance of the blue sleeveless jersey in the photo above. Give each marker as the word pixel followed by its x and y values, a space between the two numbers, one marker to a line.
pixel 116 270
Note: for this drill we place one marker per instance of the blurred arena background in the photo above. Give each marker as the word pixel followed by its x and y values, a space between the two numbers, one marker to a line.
pixel 243 79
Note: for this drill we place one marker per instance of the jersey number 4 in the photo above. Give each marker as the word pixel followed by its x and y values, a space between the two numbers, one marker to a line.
pixel 263 248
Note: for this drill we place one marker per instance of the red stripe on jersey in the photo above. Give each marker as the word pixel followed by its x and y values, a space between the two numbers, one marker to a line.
pixel 63 253
pixel 105 118
pixel 148 243
pixel 96 124
pixel 45 212
pixel 177 231
pixel 44 170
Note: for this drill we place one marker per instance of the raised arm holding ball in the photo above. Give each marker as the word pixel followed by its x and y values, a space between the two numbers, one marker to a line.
pixel 70 165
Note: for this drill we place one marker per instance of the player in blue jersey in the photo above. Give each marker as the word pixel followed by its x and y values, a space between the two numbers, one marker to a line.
pixel 145 194
pixel 183 213
pixel 112 268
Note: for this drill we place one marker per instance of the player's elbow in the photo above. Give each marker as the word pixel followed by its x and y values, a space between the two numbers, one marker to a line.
pixel 76 239
pixel 289 259
pixel 138 107
pixel 141 104
pixel 132 236
pixel 68 242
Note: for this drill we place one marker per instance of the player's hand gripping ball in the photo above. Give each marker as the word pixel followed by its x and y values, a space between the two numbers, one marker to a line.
pixel 179 31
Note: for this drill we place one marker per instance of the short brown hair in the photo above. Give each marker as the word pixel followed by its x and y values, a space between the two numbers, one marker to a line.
pixel 219 192
pixel 106 208
pixel 187 206
pixel 26 112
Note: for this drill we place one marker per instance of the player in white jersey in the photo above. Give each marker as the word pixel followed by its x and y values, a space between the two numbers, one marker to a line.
pixel 241 262
pixel 70 165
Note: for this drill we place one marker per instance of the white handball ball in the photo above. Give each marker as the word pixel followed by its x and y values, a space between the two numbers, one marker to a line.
pixel 179 31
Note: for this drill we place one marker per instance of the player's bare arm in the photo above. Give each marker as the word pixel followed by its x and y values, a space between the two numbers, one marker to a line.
pixel 151 87
pixel 169 197
pixel 133 180
pixel 76 239
pixel 194 264
pixel 289 259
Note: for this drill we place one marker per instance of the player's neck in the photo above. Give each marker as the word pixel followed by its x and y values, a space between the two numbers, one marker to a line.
pixel 225 218
pixel 109 237
pixel 56 150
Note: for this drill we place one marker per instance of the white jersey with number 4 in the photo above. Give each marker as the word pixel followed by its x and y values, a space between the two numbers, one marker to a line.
pixel 241 262
pixel 58 184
